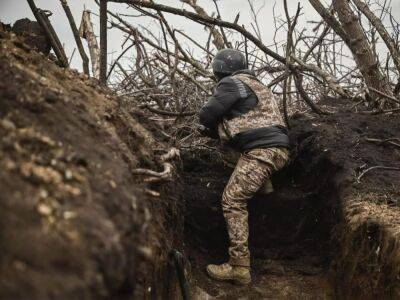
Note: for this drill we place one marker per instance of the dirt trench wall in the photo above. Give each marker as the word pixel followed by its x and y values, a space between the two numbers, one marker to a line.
pixel 75 223
pixel 318 207
pixel 302 208
pixel 366 246
pixel 368 264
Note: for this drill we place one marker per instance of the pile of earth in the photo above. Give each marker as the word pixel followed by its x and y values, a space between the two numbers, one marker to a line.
pixel 75 222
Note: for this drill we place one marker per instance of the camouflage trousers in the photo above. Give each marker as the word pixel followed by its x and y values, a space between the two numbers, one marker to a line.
pixel 253 168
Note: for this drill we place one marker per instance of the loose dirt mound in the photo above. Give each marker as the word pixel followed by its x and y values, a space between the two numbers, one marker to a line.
pixel 74 222
pixel 323 233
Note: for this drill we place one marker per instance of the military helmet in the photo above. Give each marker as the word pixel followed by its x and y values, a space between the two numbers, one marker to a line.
pixel 228 61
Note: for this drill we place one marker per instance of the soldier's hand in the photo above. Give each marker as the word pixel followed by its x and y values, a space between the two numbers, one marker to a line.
pixel 203 130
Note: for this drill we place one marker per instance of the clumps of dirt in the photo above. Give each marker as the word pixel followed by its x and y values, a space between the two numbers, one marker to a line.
pixel 75 223
pixel 367 235
pixel 324 232
pixel 32 35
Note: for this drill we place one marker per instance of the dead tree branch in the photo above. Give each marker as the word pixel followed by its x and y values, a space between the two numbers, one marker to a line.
pixel 168 113
pixel 85 59
pixel 86 31
pixel 218 40
pixel 44 22
pixel 374 168
pixel 299 85
pixel 103 42
pixel 358 45
pixel 390 141
pixel 377 23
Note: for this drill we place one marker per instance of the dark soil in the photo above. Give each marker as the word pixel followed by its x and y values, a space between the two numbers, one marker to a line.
pixel 75 223
pixel 289 231
pixel 304 237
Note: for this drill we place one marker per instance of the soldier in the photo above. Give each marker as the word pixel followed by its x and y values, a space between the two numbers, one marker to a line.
pixel 244 114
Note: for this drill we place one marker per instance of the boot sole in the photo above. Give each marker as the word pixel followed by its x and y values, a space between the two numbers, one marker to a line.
pixel 230 279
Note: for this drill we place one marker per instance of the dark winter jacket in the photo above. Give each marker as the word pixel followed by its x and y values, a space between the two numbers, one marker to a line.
pixel 244 112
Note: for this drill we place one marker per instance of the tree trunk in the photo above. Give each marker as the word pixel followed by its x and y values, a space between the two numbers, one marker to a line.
pixel 376 22
pixel 218 38
pixel 362 51
pixel 86 32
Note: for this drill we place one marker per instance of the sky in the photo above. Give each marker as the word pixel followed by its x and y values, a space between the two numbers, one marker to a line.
pixel 12 10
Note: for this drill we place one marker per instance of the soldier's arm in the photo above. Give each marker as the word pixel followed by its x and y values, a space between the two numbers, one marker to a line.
pixel 226 94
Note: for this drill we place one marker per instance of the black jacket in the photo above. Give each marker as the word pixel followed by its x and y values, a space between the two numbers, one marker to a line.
pixel 230 99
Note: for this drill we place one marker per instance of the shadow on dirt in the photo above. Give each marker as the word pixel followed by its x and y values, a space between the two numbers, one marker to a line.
pixel 290 229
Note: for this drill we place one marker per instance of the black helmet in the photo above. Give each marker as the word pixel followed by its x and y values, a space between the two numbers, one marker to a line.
pixel 228 61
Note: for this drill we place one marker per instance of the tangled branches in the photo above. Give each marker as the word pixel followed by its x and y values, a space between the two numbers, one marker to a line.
pixel 172 81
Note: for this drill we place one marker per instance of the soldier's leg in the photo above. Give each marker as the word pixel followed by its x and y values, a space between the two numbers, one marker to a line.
pixel 230 156
pixel 247 178
pixel 251 171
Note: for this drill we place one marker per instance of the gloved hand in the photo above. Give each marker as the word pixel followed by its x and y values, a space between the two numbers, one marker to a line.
pixel 204 131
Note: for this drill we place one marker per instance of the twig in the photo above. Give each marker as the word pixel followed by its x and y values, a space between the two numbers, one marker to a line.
pixel 299 84
pixel 118 58
pixel 378 112
pixel 85 59
pixel 387 141
pixel 374 168
pixel 72 56
pixel 86 31
pixel 285 110
pixel 167 113
pixel 50 33
pixel 103 42
pixel 384 95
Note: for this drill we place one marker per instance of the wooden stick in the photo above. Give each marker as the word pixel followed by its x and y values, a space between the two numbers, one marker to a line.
pixel 103 42
pixel 385 141
pixel 45 19
pixel 117 59
pixel 374 168
pixel 298 79
pixel 85 59
pixel 168 113
pixel 41 18
pixel 384 95
pixel 86 31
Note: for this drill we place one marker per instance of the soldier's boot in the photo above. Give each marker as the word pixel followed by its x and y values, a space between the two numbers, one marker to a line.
pixel 236 274
pixel 266 188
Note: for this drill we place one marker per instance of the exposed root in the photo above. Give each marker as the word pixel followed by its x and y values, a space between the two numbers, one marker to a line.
pixel 374 168
pixel 168 168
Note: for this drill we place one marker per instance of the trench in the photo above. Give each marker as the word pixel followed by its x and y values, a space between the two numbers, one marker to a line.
pixel 291 229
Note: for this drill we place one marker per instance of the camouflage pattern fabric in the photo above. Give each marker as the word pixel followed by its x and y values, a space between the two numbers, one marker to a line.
pixel 230 156
pixel 252 170
pixel 264 114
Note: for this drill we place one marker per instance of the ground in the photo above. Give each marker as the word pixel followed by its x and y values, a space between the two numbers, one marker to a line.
pixel 312 237
pixel 76 222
